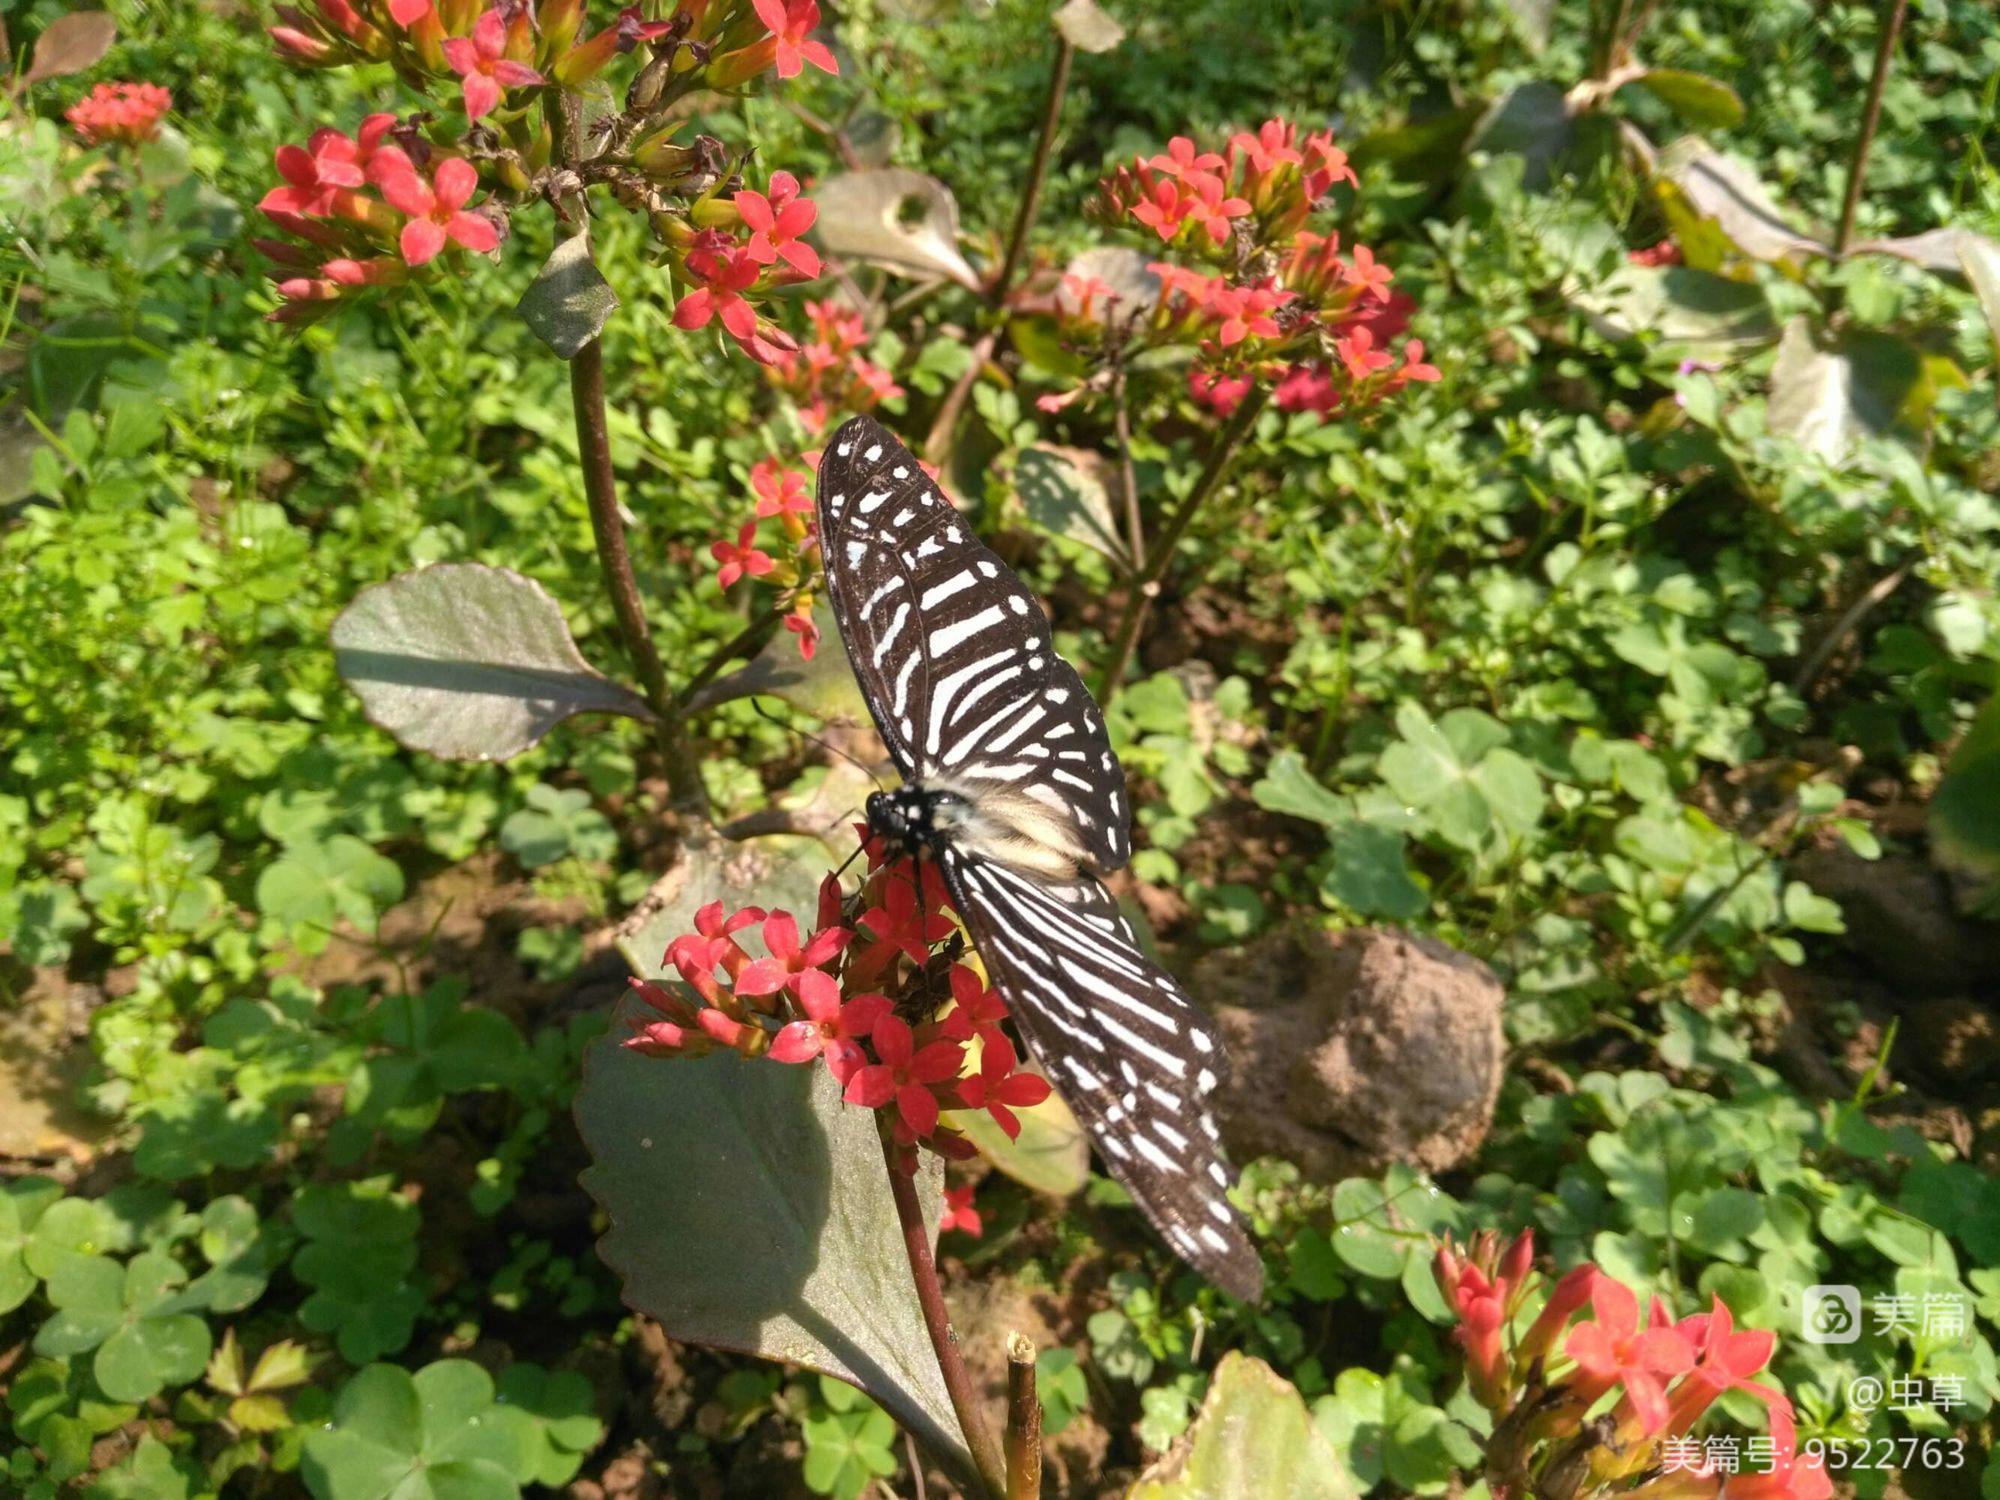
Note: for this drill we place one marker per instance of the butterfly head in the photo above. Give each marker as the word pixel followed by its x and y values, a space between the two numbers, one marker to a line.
pixel 905 820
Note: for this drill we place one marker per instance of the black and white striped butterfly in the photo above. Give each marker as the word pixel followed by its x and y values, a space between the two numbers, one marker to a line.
pixel 1011 786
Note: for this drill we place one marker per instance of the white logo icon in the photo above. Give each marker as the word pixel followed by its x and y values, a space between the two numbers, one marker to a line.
pixel 1830 1315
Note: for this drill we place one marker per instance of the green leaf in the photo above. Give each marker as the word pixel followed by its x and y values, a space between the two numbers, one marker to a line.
pixel 1370 875
pixel 468 662
pixel 1965 809
pixel 1289 786
pixel 824 687
pixel 567 303
pixel 311 887
pixel 436 1435
pixel 1252 1439
pixel 149 1473
pixel 750 1211
pixel 561 1421
pixel 1064 495
pixel 556 824
pixel 1703 102
pixel 1363 1237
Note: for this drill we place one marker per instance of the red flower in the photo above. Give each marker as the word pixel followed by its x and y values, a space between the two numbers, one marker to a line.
pixel 1245 312
pixel 1306 388
pixel 1212 211
pixel 900 923
pixel 780 491
pixel 314 174
pixel 789 963
pixel 1414 367
pixel 1221 394
pixel 976 1010
pixel 1484 1288
pixel 776 221
pixel 831 1029
pixel 905 1074
pixel 789 21
pixel 1270 147
pixel 738 558
pixel 999 1089
pixel 437 210
pixel 1358 352
pixel 801 624
pixel 959 1214
pixel 1614 1349
pixel 127 112
pixel 711 943
pixel 1369 274
pixel 727 276
pixel 1725 1358
pixel 1331 166
pixel 406 13
pixel 481 60
pixel 1182 160
pixel 1163 206
pixel 1665 253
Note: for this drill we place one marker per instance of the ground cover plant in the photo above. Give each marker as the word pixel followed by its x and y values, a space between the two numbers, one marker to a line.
pixel 1520 481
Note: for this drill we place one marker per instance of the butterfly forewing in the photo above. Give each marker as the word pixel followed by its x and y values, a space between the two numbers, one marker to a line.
pixel 952 653
pixel 963 681
pixel 1129 1052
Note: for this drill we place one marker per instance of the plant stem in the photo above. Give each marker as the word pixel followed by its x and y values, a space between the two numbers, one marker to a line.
pixel 593 441
pixel 1147 582
pixel 607 526
pixel 944 426
pixel 1038 171
pixel 1871 116
pixel 1128 477
pixel 1024 1422
pixel 930 1296
pixel 743 643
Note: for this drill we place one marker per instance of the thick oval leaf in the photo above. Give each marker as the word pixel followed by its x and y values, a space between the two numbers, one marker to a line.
pixel 1086 27
pixel 1725 190
pixel 1050 1155
pixel 1064 495
pixel 892 217
pixel 1125 271
pixel 1678 305
pixel 1253 1440
pixel 1704 102
pixel 1532 121
pixel 777 874
pixel 1827 398
pixel 70 44
pixel 750 1211
pixel 569 299
pixel 823 687
pixel 468 662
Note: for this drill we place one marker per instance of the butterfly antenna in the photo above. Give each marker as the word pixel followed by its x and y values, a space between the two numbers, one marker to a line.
pixel 828 745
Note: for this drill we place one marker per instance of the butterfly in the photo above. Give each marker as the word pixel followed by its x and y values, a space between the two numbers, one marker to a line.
pixel 1011 787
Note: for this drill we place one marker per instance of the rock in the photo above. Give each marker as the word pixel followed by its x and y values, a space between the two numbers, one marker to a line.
pixel 1901 922
pixel 1352 1050
pixel 1956 1039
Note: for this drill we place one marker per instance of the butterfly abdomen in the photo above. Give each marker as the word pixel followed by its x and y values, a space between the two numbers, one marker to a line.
pixel 1009 826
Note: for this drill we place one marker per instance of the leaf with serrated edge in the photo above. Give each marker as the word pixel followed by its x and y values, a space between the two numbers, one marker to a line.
pixel 892 217
pixel 468 662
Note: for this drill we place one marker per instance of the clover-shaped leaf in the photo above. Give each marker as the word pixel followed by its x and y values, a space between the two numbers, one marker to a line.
pixel 190 1135
pixel 238 1257
pixel 360 1246
pixel 557 823
pixel 312 886
pixel 435 1435
pixel 21 1205
pixel 63 1230
pixel 130 1316
pixel 560 1421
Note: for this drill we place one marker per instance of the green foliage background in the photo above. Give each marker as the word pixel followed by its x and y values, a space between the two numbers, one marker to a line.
pixel 1516 665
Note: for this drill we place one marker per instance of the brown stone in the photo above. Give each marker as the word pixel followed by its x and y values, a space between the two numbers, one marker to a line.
pixel 1352 1050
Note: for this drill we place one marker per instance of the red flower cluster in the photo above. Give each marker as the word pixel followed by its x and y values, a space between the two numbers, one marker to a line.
pixel 828 375
pixel 496 60
pixel 959 1214
pixel 781 495
pixel 125 112
pixel 825 997
pixel 1665 253
pixel 1661 1374
pixel 1280 305
pixel 353 238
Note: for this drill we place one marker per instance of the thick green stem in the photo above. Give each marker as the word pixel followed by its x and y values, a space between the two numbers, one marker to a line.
pixel 937 1322
pixel 1871 116
pixel 1146 583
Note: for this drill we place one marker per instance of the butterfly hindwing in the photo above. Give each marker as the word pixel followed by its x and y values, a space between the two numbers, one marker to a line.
pixel 953 654
pixel 1133 1057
